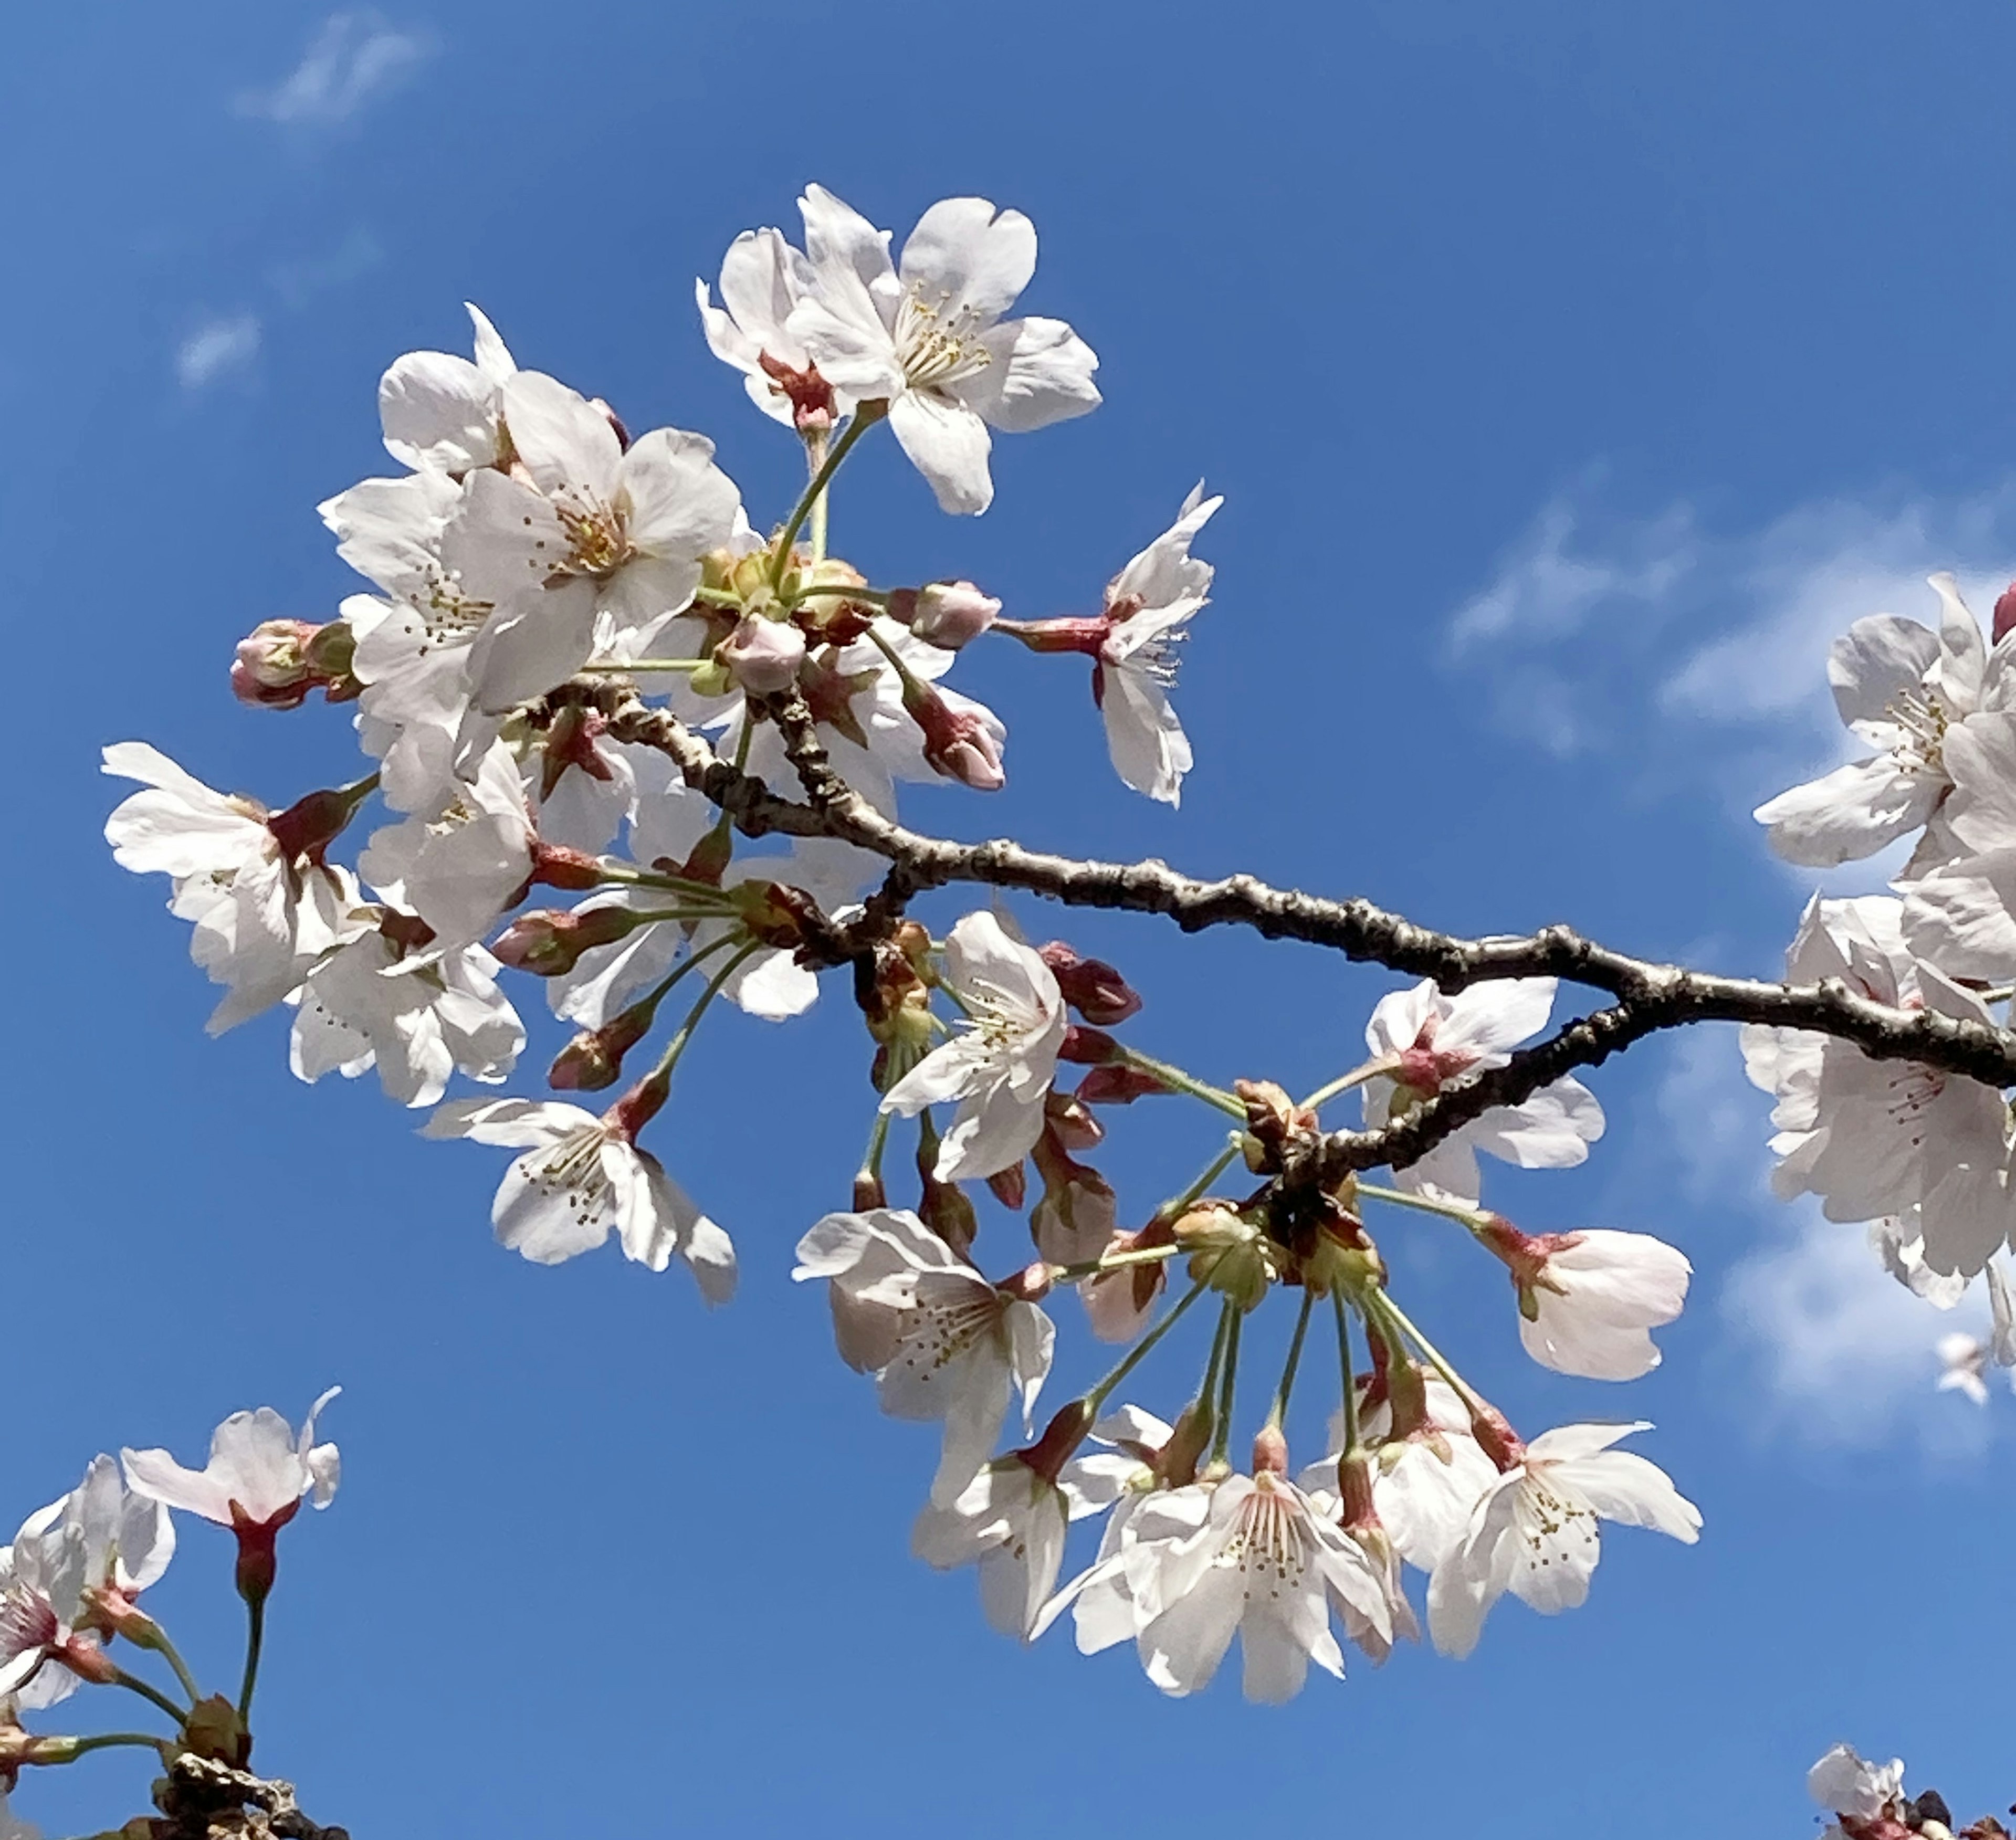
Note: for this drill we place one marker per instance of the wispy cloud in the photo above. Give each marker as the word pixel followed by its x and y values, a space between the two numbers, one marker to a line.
pixel 215 349
pixel 353 58
pixel 1594 624
pixel 297 282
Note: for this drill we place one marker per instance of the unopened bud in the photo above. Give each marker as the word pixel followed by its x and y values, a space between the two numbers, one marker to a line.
pixel 280 663
pixel 557 867
pixel 869 1192
pixel 762 655
pixel 1091 986
pixel 946 613
pixel 1010 1185
pixel 2005 613
pixel 945 1209
pixel 594 1058
pixel 1115 1084
pixel 960 743
pixel 549 943
pixel 1234 1256
pixel 1088 1047
pixel 1270 1452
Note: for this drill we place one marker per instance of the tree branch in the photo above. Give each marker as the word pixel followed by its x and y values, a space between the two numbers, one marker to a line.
pixel 1650 996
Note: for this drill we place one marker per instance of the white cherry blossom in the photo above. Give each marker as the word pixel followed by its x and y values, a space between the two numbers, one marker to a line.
pixel 1880 1138
pixel 419 1019
pixel 582 1176
pixel 1433 1041
pixel 444 414
pixel 1589 1300
pixel 263 905
pixel 1148 604
pixel 461 869
pixel 1010 1521
pixel 1431 1469
pixel 586 546
pixel 1000 1065
pixel 1964 1365
pixel 1843 1784
pixel 259 1473
pixel 1533 1532
pixel 942 1343
pixel 1907 692
pixel 1267 1566
pixel 925 336
pixel 43 1575
pixel 762 279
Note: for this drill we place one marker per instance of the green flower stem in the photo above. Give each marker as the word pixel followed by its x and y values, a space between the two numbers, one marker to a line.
pixel 864 418
pixel 1345 1082
pixel 1174 1207
pixel 623 876
pixel 1091 1268
pixel 104 1741
pixel 1380 1304
pixel 1278 1417
pixel 1097 1397
pixel 815 446
pixel 1221 1441
pixel 133 1683
pixel 1353 1437
pixel 1399 1197
pixel 677 1045
pixel 1178 1081
pixel 168 1652
pixel 873 596
pixel 878 1141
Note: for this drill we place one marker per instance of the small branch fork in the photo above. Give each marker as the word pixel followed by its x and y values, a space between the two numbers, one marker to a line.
pixel 1649 997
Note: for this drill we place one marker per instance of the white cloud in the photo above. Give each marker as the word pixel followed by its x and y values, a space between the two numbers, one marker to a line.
pixel 354 57
pixel 1542 592
pixel 216 348
pixel 298 282
pixel 1595 626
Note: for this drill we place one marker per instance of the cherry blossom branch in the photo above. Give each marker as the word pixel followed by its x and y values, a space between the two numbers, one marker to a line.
pixel 1651 997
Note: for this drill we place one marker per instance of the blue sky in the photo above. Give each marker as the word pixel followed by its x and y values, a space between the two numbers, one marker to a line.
pixel 1573 372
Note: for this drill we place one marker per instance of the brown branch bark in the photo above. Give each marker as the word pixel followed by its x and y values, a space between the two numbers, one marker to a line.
pixel 1651 997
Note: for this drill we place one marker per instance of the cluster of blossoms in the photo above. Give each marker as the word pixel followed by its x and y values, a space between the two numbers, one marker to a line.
pixel 1868 1802
pixel 551 597
pixel 581 666
pixel 1921 1156
pixel 71 1581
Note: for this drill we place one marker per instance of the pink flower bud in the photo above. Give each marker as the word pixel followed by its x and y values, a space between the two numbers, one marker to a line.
pixel 958 743
pixel 280 663
pixel 763 655
pixel 549 944
pixel 947 613
pixel 1117 1085
pixel 1091 986
pixel 2005 613
pixel 1270 1453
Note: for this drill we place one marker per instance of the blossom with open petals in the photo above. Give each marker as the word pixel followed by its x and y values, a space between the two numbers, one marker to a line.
pixel 1846 1785
pixel 582 1176
pixel 262 903
pixel 925 335
pixel 587 545
pixel 1533 1532
pixel 1589 1300
pixel 1008 1521
pixel 762 279
pixel 1431 1041
pixel 259 1473
pixel 1906 691
pixel 1879 1138
pixel 1148 604
pixel 1000 1065
pixel 443 413
pixel 942 1342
